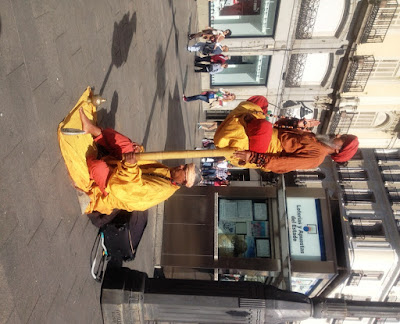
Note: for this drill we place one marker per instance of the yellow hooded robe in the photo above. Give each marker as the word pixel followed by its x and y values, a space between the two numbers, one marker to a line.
pixel 130 186
pixel 232 131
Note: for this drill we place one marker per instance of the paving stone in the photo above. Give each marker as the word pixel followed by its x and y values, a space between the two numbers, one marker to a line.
pixel 20 274
pixel 50 52
pixel 6 303
pixel 14 318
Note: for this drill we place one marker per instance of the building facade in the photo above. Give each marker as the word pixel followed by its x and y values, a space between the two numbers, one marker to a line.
pixel 288 51
pixel 367 96
pixel 367 224
pixel 336 61
pixel 341 61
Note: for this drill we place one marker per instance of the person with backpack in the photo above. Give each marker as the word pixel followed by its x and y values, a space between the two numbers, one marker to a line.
pixel 208 48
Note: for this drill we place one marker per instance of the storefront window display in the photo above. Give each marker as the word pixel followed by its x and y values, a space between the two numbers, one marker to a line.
pixel 243 229
pixel 243 70
pixel 245 18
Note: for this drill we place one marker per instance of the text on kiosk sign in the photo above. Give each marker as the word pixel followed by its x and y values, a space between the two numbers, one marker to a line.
pixel 303 228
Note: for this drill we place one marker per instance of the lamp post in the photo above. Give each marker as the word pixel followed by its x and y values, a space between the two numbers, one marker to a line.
pixel 129 296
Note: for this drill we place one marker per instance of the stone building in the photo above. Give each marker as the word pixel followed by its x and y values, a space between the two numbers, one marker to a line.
pixel 337 61
pixel 288 51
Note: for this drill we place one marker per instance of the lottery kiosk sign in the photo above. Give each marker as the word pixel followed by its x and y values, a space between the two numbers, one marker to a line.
pixel 305 229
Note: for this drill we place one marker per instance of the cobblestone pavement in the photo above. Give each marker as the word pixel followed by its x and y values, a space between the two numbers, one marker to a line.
pixel 133 52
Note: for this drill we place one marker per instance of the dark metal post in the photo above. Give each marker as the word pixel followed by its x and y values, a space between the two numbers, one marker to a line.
pixel 128 296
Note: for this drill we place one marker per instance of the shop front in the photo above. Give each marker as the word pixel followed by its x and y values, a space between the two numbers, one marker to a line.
pixel 274 235
pixel 245 18
pixel 244 71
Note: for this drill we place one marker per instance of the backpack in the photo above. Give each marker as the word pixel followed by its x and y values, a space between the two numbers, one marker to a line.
pixel 117 241
pixel 208 48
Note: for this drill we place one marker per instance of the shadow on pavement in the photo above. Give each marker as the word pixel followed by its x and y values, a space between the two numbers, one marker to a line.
pixel 121 42
pixel 159 90
pixel 176 32
pixel 176 136
pixel 107 119
pixel 185 77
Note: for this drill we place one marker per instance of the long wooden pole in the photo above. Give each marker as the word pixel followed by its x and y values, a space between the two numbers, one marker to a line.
pixel 190 154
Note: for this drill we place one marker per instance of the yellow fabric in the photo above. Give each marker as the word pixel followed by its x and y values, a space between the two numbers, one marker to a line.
pixel 231 132
pixel 275 145
pixel 129 188
pixel 75 148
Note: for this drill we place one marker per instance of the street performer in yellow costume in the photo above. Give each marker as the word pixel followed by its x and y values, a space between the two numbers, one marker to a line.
pixel 259 145
pixel 246 128
pixel 116 181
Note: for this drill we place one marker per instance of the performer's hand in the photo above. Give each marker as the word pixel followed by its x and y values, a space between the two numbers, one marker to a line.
pixel 129 157
pixel 136 147
pixel 243 156
pixel 312 122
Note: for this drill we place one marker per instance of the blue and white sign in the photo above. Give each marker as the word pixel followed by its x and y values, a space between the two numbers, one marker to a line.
pixel 305 232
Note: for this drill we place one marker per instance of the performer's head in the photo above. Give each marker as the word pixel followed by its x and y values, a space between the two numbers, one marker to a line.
pixel 260 101
pixel 186 175
pixel 343 147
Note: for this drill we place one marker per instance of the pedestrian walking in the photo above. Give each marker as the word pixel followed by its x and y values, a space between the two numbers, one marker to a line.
pixel 212 68
pixel 214 98
pixel 208 48
pixel 212 34
pixel 219 58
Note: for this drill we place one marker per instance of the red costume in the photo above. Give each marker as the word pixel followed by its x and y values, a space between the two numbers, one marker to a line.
pixel 116 144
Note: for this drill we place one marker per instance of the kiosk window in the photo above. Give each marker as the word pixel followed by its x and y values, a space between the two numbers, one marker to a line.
pixel 243 229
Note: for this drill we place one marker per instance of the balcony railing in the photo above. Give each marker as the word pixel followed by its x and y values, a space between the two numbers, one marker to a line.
pixel 360 70
pixel 295 71
pixel 379 21
pixel 307 17
pixel 341 122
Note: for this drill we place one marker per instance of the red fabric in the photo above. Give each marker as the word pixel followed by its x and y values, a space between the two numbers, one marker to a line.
pixel 261 101
pixel 116 144
pixel 220 58
pixel 99 172
pixel 349 148
pixel 259 132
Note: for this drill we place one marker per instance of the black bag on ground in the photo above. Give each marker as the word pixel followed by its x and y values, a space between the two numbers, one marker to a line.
pixel 123 233
pixel 118 240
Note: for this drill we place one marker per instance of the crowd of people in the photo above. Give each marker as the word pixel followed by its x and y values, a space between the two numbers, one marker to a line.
pixel 215 172
pixel 210 56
